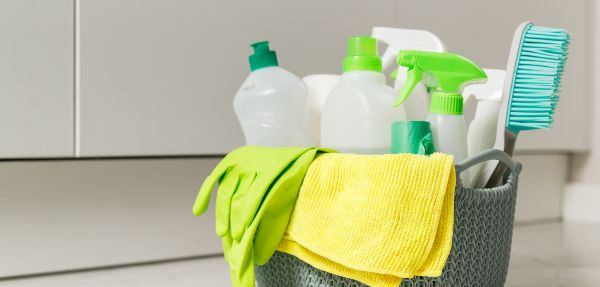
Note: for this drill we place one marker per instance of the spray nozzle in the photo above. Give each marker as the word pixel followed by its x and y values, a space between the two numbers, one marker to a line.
pixel 260 47
pixel 444 73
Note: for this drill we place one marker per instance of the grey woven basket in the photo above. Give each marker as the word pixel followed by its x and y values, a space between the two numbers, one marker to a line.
pixel 481 241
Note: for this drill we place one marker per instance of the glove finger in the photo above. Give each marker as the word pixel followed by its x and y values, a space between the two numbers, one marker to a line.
pixel 255 198
pixel 203 198
pixel 273 225
pixel 241 261
pixel 237 205
pixel 277 209
pixel 278 162
pixel 226 242
pixel 226 190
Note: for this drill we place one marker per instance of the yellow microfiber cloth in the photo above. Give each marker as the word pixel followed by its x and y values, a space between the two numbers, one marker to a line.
pixel 375 218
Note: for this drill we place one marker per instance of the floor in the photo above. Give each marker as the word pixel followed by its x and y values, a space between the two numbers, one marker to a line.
pixel 549 255
pixel 555 255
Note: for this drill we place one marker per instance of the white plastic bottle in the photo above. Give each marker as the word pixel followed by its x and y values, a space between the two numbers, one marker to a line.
pixel 449 134
pixel 449 128
pixel 271 105
pixel 482 129
pixel 359 112
pixel 319 87
pixel 482 134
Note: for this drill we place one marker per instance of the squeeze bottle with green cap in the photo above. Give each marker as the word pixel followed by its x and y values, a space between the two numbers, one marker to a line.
pixel 359 112
pixel 444 74
pixel 271 105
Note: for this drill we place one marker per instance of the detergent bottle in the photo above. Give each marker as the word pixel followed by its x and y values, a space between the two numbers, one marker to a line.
pixel 319 86
pixel 271 105
pixel 444 74
pixel 358 113
pixel 481 134
pixel 397 39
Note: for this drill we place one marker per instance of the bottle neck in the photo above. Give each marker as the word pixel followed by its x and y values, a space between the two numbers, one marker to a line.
pixel 371 77
pixel 266 69
pixel 446 103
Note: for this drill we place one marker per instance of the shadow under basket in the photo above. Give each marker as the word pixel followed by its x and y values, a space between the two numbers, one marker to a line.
pixel 481 241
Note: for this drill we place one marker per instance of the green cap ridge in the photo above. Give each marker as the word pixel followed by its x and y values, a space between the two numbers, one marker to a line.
pixel 446 103
pixel 263 56
pixel 443 73
pixel 362 55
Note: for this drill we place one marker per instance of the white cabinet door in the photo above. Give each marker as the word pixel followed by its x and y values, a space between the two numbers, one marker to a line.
pixel 483 31
pixel 36 78
pixel 158 77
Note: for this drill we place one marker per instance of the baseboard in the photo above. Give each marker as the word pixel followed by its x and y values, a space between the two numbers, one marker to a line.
pixel 581 202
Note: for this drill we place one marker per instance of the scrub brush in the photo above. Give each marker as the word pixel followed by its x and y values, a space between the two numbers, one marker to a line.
pixel 530 94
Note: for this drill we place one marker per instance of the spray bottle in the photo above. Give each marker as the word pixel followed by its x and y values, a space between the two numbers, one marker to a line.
pixel 444 74
pixel 482 130
pixel 407 39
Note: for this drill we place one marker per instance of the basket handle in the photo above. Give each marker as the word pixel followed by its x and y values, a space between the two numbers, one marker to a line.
pixel 490 154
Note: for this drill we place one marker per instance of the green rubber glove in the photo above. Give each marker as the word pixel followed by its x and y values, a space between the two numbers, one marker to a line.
pixel 258 188
pixel 278 207
pixel 244 175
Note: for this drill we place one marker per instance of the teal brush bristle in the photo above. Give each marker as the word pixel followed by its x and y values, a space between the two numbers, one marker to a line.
pixel 536 82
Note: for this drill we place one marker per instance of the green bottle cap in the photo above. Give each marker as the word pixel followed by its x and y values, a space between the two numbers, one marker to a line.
pixel 412 137
pixel 446 103
pixel 263 56
pixel 362 55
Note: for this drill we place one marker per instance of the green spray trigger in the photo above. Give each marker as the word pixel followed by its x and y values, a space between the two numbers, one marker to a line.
pixel 413 76
pixel 443 73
